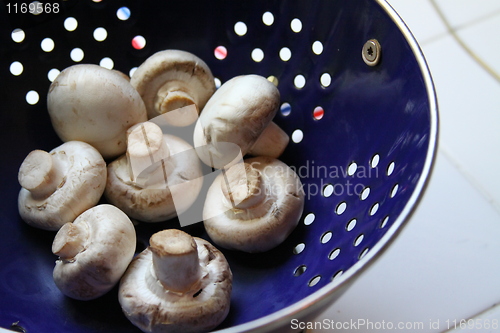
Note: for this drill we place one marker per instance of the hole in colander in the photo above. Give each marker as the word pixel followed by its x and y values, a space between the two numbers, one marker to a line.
pixel 390 168
pixel 123 13
pixel 52 74
pixel 334 254
pixel 326 237
pixel 359 239
pixel 77 54
pixel 32 97
pixel 318 113
pixel 285 54
pixel 220 52
pixel 341 208
pixel 16 68
pixel 351 169
pixel 70 24
pixel 325 80
pixel 365 193
pixel 328 190
pixel 314 281
pixel 257 55
pixel 138 42
pixel 299 81
pixel 218 82
pixel 35 9
pixel 351 224
pixel 268 18
pixel 100 34
pixel 285 109
pixel 317 47
pixel 273 79
pixel 309 219
pixel 363 253
pixel 337 275
pixel 297 136
pixel 374 208
pixel 47 45
pixel 18 35
pixel 384 222
pixel 240 28
pixel 107 63
pixel 394 191
pixel 299 270
pixel 374 160
pixel 132 71
pixel 299 248
pixel 296 25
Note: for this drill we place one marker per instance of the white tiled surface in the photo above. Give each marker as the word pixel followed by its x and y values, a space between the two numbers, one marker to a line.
pixel 445 265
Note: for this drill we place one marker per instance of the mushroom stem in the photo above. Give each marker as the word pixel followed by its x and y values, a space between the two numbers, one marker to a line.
pixel 175 260
pixel 172 99
pixel 146 146
pixel 243 186
pixel 272 142
pixel 40 173
pixel 70 240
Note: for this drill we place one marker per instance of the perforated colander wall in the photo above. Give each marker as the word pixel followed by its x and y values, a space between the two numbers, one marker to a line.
pixel 362 137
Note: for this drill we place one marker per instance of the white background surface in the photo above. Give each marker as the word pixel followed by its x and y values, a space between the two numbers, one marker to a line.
pixel 445 265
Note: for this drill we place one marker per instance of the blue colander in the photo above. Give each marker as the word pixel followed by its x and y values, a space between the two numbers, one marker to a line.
pixel 357 101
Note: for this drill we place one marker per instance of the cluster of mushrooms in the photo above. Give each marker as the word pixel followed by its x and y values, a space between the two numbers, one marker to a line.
pixel 115 146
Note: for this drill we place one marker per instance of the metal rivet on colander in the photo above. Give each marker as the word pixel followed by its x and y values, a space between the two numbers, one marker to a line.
pixel 371 52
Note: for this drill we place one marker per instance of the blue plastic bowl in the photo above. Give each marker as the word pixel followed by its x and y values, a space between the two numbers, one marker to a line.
pixel 353 127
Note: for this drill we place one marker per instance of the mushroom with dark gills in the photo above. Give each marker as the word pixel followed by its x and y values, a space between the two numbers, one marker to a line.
pixel 178 284
pixel 96 105
pixel 94 251
pixel 240 112
pixel 254 206
pixel 159 178
pixel 171 80
pixel 59 185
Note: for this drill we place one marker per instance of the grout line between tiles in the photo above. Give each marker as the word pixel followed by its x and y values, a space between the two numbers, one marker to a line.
pixel 469 177
pixel 477 20
pixel 459 27
pixel 453 32
pixel 485 311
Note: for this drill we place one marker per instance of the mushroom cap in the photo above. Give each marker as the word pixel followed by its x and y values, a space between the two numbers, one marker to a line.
pixel 106 254
pixel 173 71
pixel 238 112
pixel 81 188
pixel 157 204
pixel 153 309
pixel 96 105
pixel 285 200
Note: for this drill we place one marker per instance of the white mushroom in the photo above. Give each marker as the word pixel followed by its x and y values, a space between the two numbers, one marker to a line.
pixel 94 251
pixel 179 284
pixel 240 112
pixel 172 79
pixel 271 142
pixel 159 178
pixel 60 185
pixel 96 105
pixel 253 208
